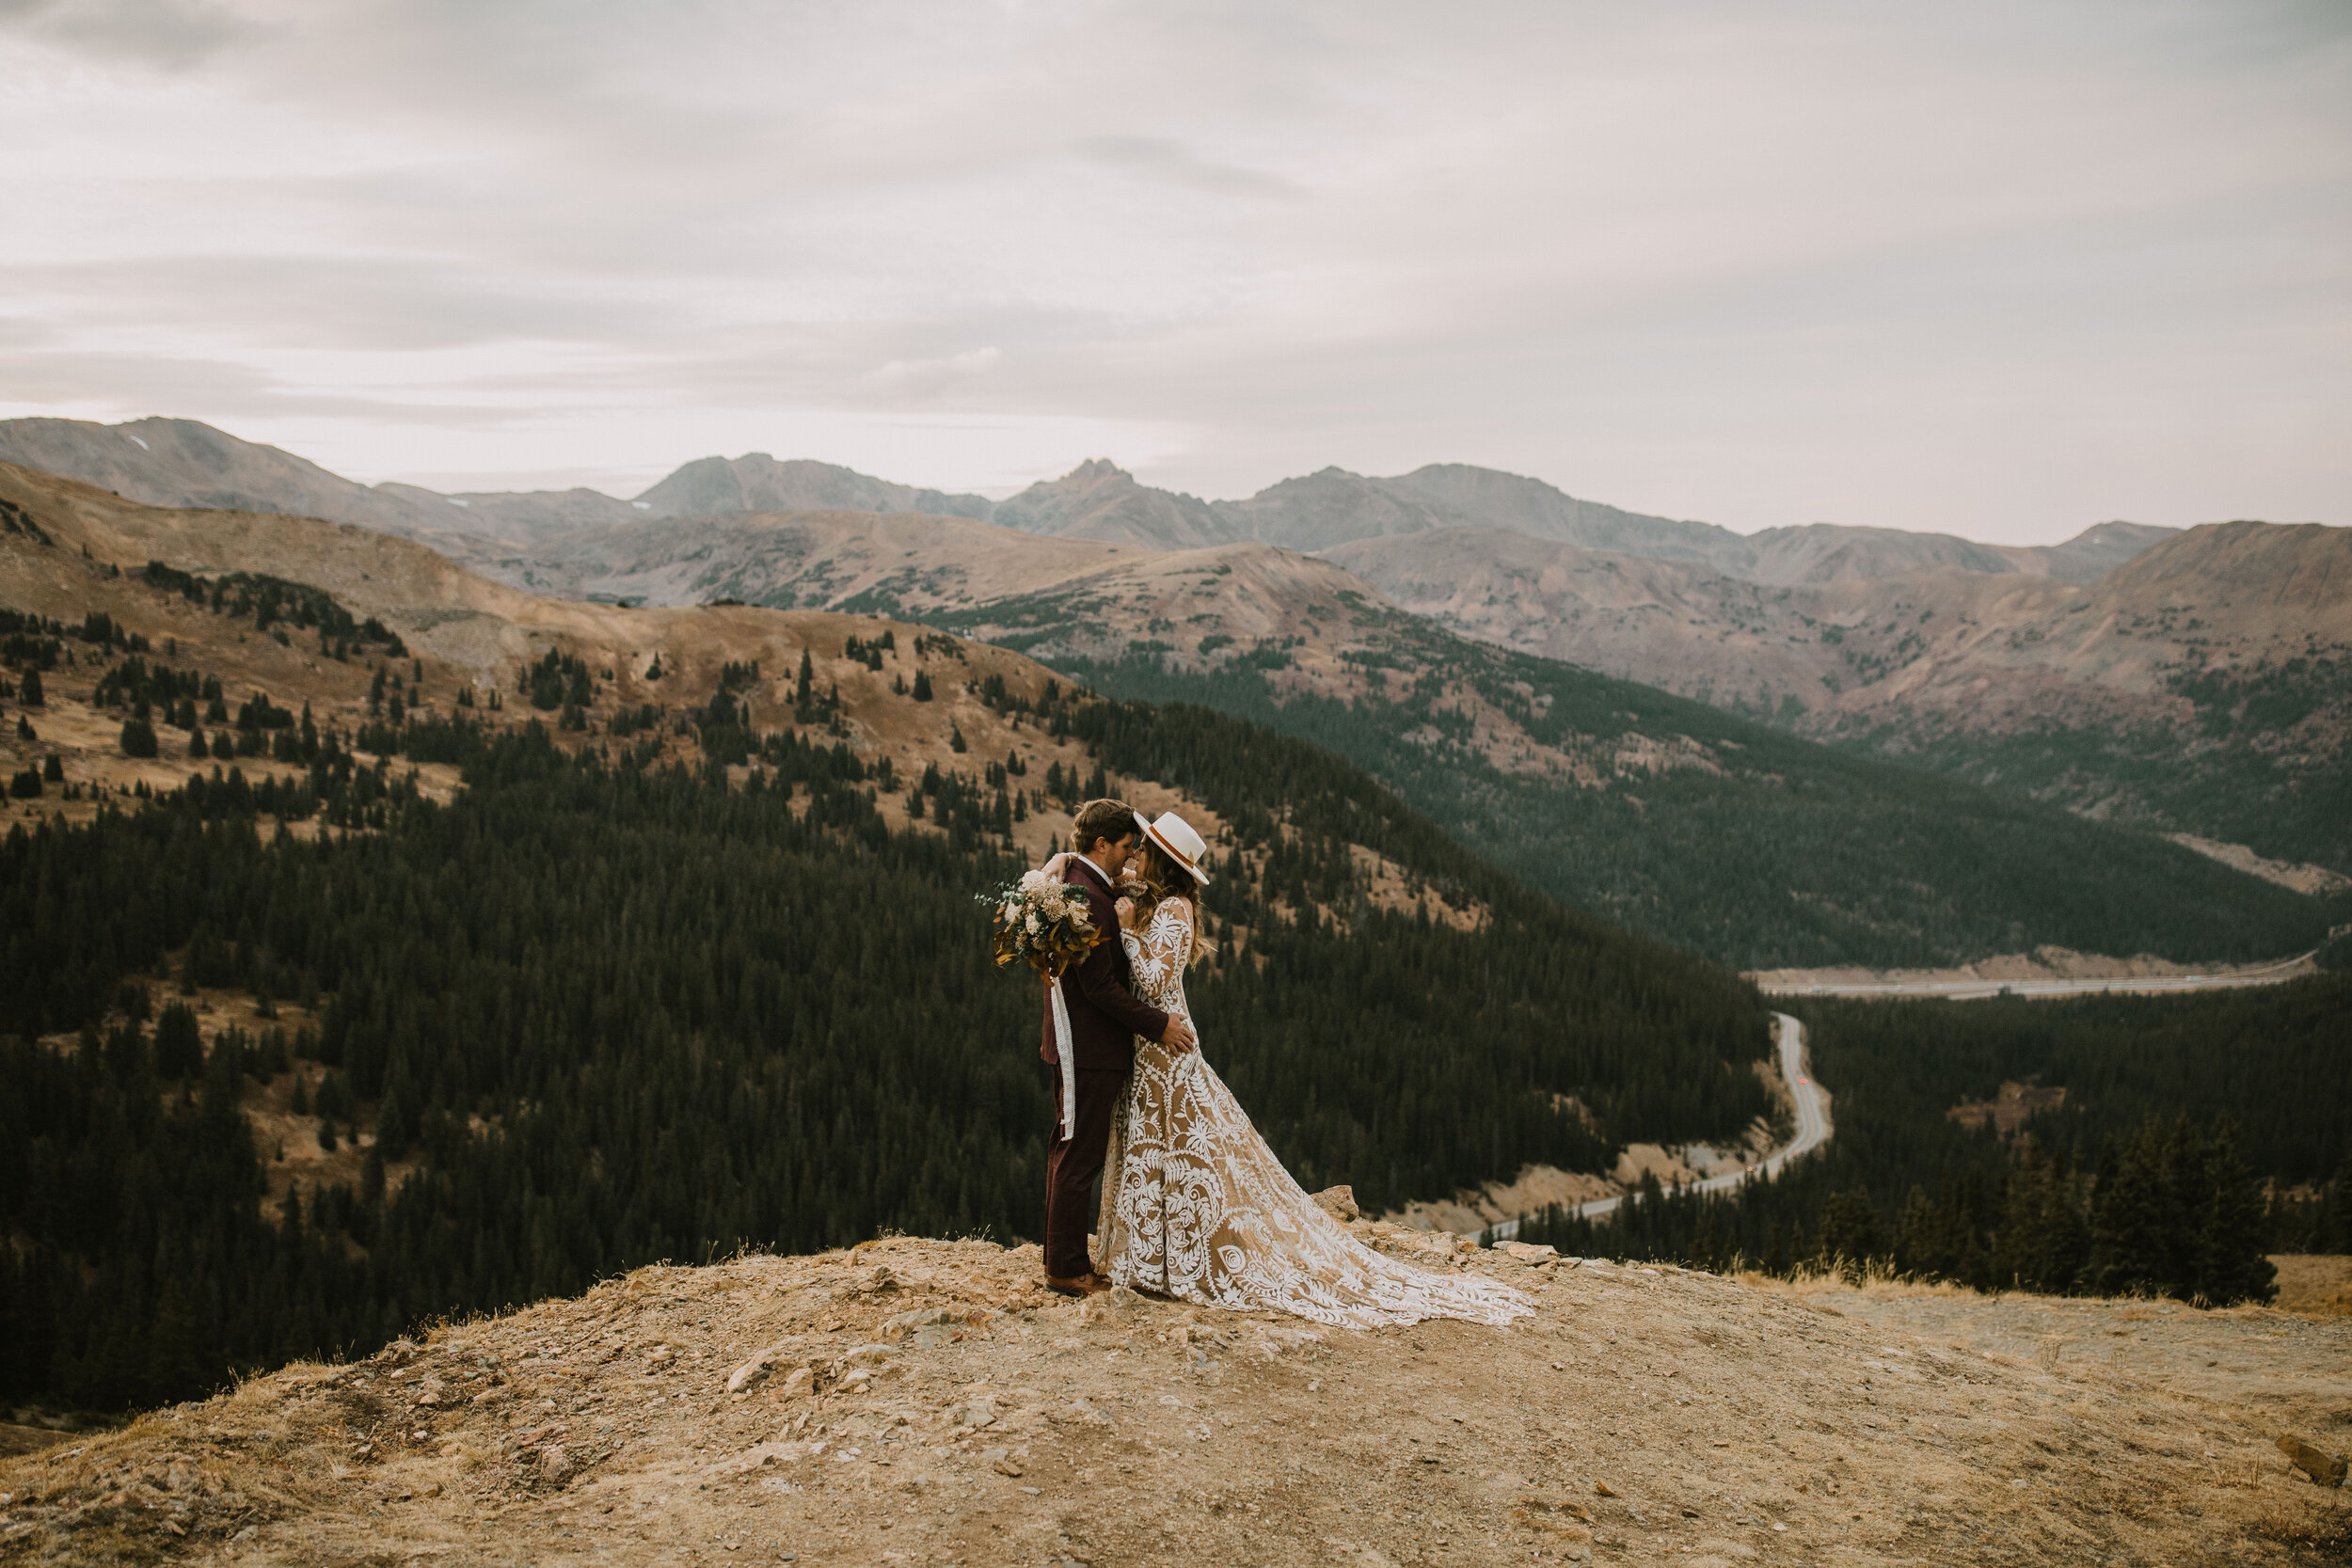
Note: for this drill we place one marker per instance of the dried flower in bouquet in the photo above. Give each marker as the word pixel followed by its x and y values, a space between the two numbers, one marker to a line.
pixel 1042 922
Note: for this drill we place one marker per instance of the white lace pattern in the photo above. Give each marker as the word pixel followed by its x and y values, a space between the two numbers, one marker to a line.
pixel 1199 1208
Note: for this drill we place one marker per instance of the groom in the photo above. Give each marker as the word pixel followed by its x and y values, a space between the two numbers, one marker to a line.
pixel 1105 1019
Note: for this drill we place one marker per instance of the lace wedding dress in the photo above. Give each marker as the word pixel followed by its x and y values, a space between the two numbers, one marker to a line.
pixel 1197 1207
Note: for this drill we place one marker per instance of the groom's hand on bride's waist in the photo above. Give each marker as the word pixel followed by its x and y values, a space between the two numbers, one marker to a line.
pixel 1178 1036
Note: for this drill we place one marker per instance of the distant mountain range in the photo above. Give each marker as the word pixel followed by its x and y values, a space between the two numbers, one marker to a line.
pixel 185 462
pixel 2198 682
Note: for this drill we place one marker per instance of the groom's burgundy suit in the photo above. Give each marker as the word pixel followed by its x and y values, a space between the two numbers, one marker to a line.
pixel 1104 1020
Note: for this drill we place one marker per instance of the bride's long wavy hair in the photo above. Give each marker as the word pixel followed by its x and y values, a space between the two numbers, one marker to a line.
pixel 1163 878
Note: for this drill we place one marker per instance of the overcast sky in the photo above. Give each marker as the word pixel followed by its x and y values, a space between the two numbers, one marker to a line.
pixel 2000 269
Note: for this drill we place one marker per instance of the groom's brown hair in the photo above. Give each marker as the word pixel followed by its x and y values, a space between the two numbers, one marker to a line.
pixel 1111 819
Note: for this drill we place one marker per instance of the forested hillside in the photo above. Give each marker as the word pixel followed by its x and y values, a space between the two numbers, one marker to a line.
pixel 599 1009
pixel 2144 1143
pixel 1732 838
pixel 2233 780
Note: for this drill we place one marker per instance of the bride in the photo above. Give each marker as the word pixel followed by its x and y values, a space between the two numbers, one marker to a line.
pixel 1195 1205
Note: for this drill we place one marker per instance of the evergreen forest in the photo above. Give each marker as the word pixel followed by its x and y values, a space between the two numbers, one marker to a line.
pixel 603 1008
pixel 1778 852
pixel 2111 1188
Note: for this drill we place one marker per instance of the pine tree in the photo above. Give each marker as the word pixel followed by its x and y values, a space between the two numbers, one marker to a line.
pixel 179 1043
pixel 181 1364
pixel 29 692
pixel 2147 1213
pixel 2127 1221
pixel 2335 1223
pixel 2232 1240
pixel 2042 1239
pixel 395 1118
pixel 1918 1251
pixel 1849 1237
pixel 922 686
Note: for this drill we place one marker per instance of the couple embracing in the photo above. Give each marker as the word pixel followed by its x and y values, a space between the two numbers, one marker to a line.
pixel 1195 1205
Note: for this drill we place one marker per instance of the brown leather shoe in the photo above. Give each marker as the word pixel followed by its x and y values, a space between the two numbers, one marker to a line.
pixel 1087 1284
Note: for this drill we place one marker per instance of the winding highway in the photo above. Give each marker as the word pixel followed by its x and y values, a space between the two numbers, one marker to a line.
pixel 1813 1131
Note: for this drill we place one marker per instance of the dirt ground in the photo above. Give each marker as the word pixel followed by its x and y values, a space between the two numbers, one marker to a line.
pixel 926 1402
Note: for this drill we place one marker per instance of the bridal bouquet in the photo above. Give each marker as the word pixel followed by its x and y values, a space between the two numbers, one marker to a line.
pixel 1042 922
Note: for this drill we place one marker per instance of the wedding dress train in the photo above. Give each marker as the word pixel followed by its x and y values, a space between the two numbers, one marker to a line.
pixel 1197 1207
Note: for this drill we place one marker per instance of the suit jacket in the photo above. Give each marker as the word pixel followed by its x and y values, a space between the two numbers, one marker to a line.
pixel 1105 1015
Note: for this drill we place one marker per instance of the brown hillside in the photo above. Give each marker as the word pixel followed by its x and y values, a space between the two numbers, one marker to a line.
pixel 1819 553
pixel 2091 554
pixel 1098 500
pixel 757 483
pixel 468 632
pixel 187 463
pixel 815 560
pixel 1947 648
pixel 925 1402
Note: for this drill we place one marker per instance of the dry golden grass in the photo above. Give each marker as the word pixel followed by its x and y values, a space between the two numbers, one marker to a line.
pixel 2314 1286
pixel 947 1410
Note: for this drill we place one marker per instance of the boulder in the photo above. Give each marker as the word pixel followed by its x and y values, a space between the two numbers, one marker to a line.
pixel 973 1415
pixel 928 1329
pixel 1339 1202
pixel 1551 1510
pixel 755 1371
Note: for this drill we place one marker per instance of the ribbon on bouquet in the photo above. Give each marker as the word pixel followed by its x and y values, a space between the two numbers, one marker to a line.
pixel 1066 1052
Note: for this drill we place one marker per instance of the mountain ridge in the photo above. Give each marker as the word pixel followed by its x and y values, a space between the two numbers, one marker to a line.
pixel 1096 500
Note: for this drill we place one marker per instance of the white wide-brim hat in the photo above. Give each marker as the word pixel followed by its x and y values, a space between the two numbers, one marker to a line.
pixel 1175 836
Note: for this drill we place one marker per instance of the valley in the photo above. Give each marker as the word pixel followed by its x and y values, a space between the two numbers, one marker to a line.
pixel 599 868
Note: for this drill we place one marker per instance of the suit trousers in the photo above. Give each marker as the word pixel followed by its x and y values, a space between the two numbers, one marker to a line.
pixel 1072 1166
